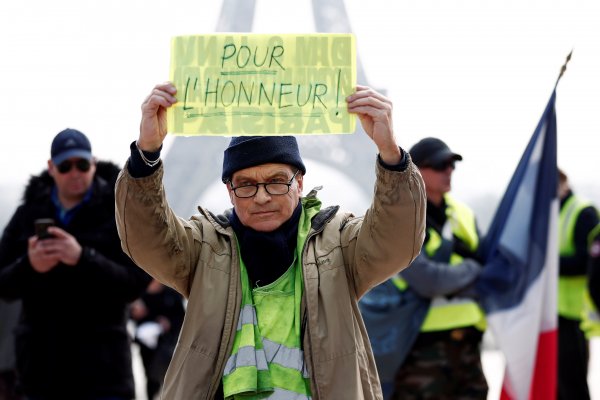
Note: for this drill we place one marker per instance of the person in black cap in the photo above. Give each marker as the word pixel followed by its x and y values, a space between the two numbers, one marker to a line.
pixel 577 222
pixel 74 281
pixel 272 284
pixel 444 356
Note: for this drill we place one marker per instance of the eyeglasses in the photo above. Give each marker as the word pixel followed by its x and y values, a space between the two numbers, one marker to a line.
pixel 273 188
pixel 442 165
pixel 81 164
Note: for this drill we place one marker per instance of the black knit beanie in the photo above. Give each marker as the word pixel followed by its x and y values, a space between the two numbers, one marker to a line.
pixel 250 151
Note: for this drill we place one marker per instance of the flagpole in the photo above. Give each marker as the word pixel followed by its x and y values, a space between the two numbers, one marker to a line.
pixel 563 68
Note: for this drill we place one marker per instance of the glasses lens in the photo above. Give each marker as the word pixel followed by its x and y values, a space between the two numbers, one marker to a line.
pixel 245 191
pixel 82 165
pixel 64 167
pixel 277 188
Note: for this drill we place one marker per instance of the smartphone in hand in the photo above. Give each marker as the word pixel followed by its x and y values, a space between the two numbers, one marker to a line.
pixel 41 227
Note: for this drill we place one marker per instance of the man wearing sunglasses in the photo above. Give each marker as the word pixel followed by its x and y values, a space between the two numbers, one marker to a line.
pixel 74 281
pixel 272 284
pixel 444 356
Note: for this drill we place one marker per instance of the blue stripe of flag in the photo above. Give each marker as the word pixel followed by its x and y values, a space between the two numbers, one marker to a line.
pixel 515 245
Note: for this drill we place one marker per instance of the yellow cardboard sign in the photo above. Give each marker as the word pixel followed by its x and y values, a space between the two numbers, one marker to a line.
pixel 258 84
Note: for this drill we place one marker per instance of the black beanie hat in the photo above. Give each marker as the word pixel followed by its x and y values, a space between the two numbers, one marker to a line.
pixel 250 151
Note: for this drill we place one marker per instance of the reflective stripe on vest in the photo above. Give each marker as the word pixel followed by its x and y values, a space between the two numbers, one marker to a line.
pixel 266 352
pixel 271 353
pixel 457 312
pixel 571 289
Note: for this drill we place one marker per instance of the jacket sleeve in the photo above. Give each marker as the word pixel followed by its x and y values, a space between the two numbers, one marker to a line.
pixel 124 278
pixel 113 268
pixel 151 234
pixel 390 235
pixel 431 278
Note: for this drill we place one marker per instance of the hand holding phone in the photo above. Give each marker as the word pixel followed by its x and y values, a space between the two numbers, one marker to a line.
pixel 41 228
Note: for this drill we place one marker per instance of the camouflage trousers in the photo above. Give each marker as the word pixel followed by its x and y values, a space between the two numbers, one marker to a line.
pixel 443 365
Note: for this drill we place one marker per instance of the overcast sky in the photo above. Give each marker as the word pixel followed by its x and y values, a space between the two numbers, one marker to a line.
pixel 475 73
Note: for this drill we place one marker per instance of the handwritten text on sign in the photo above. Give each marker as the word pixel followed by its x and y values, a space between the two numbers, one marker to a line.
pixel 254 84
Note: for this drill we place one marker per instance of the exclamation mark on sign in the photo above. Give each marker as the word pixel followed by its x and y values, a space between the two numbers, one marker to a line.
pixel 337 97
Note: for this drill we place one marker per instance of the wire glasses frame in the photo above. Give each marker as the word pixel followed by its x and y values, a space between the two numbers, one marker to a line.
pixel 272 188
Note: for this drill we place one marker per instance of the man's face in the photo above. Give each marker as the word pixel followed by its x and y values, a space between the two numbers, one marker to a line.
pixel 438 179
pixel 265 212
pixel 74 180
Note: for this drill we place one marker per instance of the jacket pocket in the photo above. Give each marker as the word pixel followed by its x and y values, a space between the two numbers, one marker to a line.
pixel 190 373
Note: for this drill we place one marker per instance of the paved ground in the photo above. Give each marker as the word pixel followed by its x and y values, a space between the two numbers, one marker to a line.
pixel 493 364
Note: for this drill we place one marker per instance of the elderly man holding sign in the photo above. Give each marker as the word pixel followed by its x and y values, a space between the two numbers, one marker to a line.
pixel 273 283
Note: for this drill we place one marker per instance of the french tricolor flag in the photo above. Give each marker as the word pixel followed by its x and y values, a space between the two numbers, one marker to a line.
pixel 518 285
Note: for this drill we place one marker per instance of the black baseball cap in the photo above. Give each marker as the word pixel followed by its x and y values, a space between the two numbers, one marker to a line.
pixel 432 151
pixel 70 143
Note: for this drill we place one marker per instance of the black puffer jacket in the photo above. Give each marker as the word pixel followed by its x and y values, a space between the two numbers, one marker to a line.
pixel 72 340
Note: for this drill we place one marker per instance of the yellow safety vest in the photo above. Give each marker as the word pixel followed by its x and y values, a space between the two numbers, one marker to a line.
pixel 571 289
pixel 590 317
pixel 267 360
pixel 443 313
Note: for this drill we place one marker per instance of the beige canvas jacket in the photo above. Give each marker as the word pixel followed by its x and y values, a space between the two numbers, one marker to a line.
pixel 343 258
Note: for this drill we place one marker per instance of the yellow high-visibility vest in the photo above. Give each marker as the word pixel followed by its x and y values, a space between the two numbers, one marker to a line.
pixel 443 313
pixel 571 289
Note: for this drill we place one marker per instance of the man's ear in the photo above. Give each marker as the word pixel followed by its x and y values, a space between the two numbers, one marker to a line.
pixel 51 168
pixel 300 180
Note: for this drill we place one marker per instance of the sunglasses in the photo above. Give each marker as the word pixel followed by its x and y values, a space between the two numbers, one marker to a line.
pixel 81 164
pixel 442 165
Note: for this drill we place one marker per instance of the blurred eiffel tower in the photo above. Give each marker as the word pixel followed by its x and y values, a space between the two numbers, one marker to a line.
pixel 193 165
